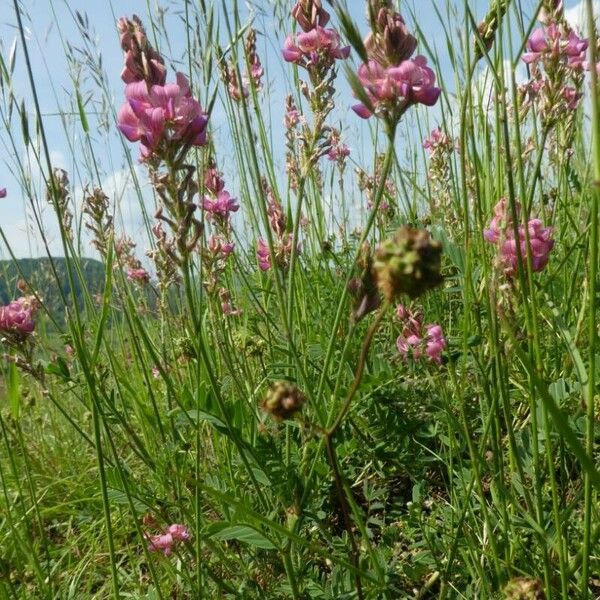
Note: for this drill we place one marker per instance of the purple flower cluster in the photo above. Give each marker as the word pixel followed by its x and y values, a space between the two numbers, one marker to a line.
pixel 316 46
pixel 391 79
pixel 418 341
pixel 164 118
pixel 555 44
pixel 501 233
pixel 18 317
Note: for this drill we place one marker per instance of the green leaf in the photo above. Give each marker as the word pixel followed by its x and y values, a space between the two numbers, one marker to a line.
pixel 14 390
pixel 82 115
pixel 245 534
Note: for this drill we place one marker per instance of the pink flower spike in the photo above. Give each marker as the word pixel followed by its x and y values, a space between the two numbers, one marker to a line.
pixel 164 118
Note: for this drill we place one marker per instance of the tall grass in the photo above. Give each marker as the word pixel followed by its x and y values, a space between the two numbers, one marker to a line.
pixel 278 411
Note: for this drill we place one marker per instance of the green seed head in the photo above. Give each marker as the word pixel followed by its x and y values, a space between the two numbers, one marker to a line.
pixel 283 400
pixel 409 263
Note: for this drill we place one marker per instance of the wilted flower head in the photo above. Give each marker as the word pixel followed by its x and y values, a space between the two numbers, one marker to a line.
pixel 437 139
pixel 142 62
pixel 338 151
pixel 409 263
pixel 283 400
pixel 18 317
pixel 392 90
pixel 389 42
pixel 219 247
pixel 552 10
pixel 524 588
pixel 165 118
pixel 364 288
pixel 213 180
pixel 292 114
pixel 310 14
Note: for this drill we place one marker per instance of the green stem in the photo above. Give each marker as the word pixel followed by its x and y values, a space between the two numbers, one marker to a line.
pixel 593 286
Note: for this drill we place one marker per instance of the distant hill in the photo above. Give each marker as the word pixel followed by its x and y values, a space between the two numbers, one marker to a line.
pixel 39 274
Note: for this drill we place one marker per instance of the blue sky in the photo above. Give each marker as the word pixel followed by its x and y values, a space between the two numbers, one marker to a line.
pixel 53 32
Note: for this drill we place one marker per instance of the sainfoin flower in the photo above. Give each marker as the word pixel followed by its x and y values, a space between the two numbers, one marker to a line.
pixel 319 45
pixel 393 89
pixel 554 43
pixel 18 317
pixel 166 541
pixel 162 118
pixel 417 341
pixel 501 232
pixel 221 206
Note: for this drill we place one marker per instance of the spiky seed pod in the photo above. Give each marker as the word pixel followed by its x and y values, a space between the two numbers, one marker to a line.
pixel 524 588
pixel 283 400
pixel 409 263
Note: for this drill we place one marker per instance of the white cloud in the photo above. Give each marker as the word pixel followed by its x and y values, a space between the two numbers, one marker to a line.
pixel 577 15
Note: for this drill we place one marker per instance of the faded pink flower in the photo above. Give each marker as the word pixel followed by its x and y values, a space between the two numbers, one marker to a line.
pixel 219 247
pixel 393 89
pixel 213 181
pixel 162 118
pixel 166 541
pixel 437 139
pixel 318 46
pixel 263 255
pixel 138 275
pixel 571 97
pixel 163 542
pixel 292 117
pixel 2 192
pixel 417 342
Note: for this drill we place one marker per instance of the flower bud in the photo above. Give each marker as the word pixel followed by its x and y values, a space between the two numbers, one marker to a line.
pixel 409 263
pixel 390 42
